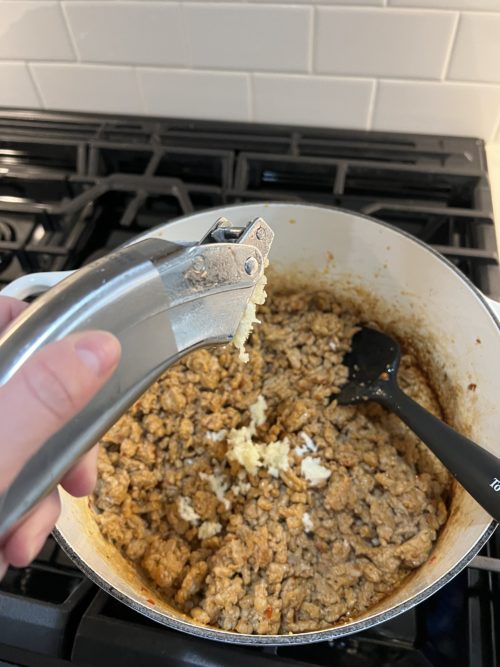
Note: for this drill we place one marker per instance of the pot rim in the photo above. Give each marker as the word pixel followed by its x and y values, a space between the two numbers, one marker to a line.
pixel 191 628
pixel 337 209
pixel 227 637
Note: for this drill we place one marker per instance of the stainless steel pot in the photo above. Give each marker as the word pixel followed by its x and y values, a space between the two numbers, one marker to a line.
pixel 417 294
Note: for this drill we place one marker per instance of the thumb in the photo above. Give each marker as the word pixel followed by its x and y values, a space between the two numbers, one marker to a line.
pixel 47 391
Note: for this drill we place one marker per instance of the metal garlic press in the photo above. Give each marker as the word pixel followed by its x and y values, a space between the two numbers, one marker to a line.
pixel 162 300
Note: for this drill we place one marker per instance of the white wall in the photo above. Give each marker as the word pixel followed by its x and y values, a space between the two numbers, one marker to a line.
pixel 411 65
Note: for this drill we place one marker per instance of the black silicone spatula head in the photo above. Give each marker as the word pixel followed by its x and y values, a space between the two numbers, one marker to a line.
pixel 373 362
pixel 373 365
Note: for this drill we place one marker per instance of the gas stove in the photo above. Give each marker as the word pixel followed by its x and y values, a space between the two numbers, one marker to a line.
pixel 72 187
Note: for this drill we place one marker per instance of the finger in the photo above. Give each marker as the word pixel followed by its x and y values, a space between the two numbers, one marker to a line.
pixel 48 390
pixel 29 537
pixel 82 478
pixel 9 310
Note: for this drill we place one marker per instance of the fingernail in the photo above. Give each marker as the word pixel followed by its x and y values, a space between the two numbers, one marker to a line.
pixel 3 565
pixel 98 350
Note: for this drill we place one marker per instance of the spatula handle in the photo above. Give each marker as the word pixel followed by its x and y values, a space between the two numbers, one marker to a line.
pixel 477 469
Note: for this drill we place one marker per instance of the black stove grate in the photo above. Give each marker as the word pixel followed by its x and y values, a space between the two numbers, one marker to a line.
pixel 72 187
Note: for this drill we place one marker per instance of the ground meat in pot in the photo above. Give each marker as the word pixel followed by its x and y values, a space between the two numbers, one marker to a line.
pixel 272 552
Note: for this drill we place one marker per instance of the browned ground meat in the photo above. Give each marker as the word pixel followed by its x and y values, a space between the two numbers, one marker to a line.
pixel 257 570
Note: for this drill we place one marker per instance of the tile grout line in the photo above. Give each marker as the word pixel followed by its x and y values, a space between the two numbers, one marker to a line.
pixel 142 97
pixel 251 96
pixel 312 33
pixel 272 72
pixel 69 32
pixel 451 47
pixel 371 105
pixel 186 37
pixel 37 88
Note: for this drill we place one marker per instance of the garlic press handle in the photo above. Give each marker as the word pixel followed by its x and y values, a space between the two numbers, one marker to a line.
pixel 124 295
pixel 145 295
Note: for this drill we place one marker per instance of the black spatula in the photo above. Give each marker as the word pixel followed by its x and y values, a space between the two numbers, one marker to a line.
pixel 373 365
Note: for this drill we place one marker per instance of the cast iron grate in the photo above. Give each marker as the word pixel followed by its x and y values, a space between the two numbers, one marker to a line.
pixel 78 184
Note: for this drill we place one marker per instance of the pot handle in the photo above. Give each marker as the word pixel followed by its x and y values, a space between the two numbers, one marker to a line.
pixel 34 284
pixel 495 307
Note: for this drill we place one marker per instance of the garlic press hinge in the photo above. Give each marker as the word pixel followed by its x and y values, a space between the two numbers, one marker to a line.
pixel 256 233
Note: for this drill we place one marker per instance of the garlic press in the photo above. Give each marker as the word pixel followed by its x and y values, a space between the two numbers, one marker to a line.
pixel 162 300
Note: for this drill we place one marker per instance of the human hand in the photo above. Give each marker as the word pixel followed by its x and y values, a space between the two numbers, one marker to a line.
pixel 35 403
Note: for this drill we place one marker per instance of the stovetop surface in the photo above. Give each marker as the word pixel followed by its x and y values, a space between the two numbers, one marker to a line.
pixel 73 186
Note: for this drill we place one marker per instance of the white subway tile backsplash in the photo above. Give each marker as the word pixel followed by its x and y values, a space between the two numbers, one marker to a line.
pixel 372 3
pixel 448 4
pixel 142 33
pixel 476 54
pixel 381 42
pixel 437 108
pixel 33 31
pixel 88 88
pixel 306 100
pixel 244 36
pixel 209 95
pixel 16 86
pixel 408 65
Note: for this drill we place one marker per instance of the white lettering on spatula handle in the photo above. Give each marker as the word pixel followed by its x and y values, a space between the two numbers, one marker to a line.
pixel 495 484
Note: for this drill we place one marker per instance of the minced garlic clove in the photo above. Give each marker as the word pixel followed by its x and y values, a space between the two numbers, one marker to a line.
pixel 307 522
pixel 258 411
pixel 275 457
pixel 219 486
pixel 209 529
pixel 186 511
pixel 313 471
pixel 244 450
pixel 249 318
